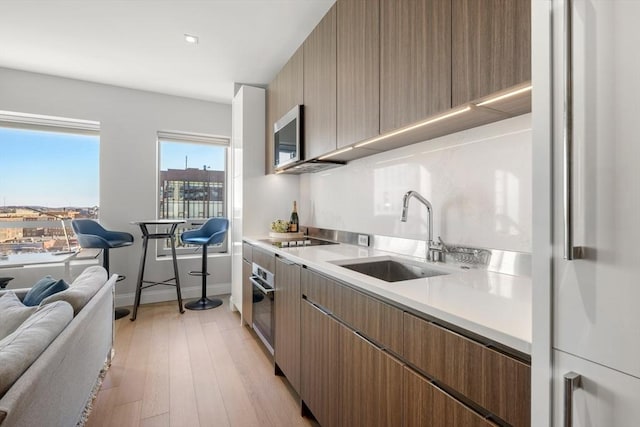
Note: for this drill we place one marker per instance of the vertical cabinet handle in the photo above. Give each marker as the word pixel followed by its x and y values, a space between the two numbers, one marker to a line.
pixel 570 252
pixel 572 381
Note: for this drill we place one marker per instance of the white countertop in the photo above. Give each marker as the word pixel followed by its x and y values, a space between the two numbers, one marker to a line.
pixel 493 305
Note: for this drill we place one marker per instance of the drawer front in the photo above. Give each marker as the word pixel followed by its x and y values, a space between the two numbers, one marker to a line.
pixel 247 252
pixel 320 290
pixel 493 380
pixel 375 319
pixel 264 259
pixel 427 405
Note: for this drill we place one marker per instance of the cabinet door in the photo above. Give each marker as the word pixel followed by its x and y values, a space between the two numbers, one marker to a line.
pixel 287 307
pixel 321 290
pixel 491 47
pixel 378 321
pixel 415 60
pixel 371 389
pixel 247 294
pixel 290 89
pixel 606 397
pixel 264 259
pixel 320 88
pixel 271 107
pixel 284 92
pixel 320 354
pixel 427 405
pixel 358 70
pixel 493 380
pixel 595 307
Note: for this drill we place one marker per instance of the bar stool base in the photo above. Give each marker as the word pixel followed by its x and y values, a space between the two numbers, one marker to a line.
pixel 203 304
pixel 121 312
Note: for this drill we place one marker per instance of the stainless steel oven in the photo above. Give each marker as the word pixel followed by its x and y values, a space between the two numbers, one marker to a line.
pixel 262 307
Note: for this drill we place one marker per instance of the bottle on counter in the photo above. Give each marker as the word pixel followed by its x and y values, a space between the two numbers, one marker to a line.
pixel 294 224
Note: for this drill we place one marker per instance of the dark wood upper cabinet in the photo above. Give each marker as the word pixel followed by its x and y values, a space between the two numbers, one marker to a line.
pixel 491 47
pixel 358 68
pixel 415 60
pixel 320 88
pixel 287 321
pixel 283 93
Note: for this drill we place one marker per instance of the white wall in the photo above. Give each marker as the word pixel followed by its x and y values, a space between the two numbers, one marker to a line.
pixel 478 181
pixel 129 121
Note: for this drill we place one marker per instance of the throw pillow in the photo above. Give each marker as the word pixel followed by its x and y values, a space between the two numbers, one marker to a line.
pixel 12 313
pixel 82 289
pixel 42 289
pixel 23 346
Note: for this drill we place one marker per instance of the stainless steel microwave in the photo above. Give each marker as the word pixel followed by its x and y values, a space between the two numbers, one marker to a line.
pixel 287 138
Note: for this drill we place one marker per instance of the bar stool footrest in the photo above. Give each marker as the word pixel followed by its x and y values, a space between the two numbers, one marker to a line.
pixel 197 273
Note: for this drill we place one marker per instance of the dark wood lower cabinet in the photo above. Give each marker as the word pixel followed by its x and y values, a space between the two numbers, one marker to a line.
pixel 493 380
pixel 287 321
pixel 353 375
pixel 425 405
pixel 247 294
pixel 320 385
pixel 371 391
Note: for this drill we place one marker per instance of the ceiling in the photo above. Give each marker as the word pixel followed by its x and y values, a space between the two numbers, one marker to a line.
pixel 140 43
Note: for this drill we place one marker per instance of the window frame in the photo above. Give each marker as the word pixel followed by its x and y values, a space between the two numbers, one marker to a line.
pixel 163 251
pixel 52 124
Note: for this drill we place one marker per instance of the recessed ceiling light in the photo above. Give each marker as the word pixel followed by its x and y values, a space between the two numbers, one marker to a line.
pixel 191 39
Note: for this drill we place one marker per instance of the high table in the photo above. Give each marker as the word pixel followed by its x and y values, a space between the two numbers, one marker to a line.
pixel 169 232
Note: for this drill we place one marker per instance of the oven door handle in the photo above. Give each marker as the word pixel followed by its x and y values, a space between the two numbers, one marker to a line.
pixel 258 285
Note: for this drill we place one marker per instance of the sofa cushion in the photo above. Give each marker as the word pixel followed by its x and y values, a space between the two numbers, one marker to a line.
pixel 12 313
pixel 86 285
pixel 22 347
pixel 43 288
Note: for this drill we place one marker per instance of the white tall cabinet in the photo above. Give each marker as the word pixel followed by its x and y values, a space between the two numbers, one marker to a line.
pixel 586 311
pixel 257 199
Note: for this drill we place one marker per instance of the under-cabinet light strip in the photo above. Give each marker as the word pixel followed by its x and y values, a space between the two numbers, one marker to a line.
pixel 505 96
pixel 344 150
pixel 416 126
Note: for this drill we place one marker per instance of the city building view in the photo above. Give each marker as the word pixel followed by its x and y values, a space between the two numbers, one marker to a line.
pixel 40 229
pixel 192 193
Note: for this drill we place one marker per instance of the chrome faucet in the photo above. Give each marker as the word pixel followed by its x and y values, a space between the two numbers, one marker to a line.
pixel 405 208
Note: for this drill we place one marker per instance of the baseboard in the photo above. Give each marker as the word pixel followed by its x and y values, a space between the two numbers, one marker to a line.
pixel 150 296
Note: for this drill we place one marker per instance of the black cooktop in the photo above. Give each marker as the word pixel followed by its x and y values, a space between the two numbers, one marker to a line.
pixel 297 242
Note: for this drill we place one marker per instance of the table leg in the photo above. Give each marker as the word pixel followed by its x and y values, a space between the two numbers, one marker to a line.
pixel 175 271
pixel 145 241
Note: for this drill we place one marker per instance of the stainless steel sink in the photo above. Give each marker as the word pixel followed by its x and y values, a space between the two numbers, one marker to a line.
pixel 391 270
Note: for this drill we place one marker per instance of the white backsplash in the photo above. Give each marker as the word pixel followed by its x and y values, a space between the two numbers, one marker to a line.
pixel 478 181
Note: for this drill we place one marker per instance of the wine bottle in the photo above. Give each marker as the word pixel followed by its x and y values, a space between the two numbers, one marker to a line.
pixel 293 222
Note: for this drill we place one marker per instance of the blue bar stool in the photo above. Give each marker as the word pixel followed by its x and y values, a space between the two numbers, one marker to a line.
pixel 211 232
pixel 92 235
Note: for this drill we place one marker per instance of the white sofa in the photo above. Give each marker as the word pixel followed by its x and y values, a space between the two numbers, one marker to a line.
pixel 55 388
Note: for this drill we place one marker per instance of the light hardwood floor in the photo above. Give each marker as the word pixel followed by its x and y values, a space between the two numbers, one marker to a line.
pixel 200 368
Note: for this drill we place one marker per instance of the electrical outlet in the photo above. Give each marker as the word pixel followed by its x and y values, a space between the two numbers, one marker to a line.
pixel 363 239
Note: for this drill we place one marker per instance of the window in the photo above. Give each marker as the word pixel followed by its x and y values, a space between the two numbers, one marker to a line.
pixel 49 172
pixel 192 183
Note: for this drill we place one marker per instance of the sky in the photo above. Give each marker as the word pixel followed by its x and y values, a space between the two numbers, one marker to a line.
pixel 172 156
pixel 54 169
pixel 48 168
